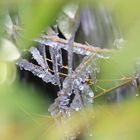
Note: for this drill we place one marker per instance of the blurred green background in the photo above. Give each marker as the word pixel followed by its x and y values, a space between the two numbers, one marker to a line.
pixel 23 112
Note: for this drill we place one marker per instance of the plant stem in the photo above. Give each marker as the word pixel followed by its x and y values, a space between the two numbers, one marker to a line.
pixel 85 47
pixel 113 88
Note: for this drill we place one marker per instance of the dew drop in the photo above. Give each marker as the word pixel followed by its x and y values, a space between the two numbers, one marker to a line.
pixel 81 87
pixel 119 42
pixel 42 75
pixel 77 109
pixel 91 94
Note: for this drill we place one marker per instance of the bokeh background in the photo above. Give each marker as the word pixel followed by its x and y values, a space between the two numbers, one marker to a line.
pixel 24 98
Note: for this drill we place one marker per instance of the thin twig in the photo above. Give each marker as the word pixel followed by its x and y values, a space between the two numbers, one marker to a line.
pixel 65 67
pixel 85 47
pixel 111 80
pixel 63 74
pixel 113 88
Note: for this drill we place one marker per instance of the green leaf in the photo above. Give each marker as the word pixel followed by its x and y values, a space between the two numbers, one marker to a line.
pixel 67 19
pixel 36 16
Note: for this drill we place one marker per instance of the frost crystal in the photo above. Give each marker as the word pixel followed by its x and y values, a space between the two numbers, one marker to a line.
pixel 119 42
pixel 36 55
pixel 55 56
pixel 74 98
pixel 67 103
pixel 74 91
pixel 63 46
pixel 37 71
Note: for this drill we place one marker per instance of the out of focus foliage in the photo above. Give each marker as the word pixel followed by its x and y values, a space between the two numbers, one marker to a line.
pixel 23 113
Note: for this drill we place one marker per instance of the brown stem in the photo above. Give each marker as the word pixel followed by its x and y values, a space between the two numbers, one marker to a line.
pixel 113 88
pixel 90 48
